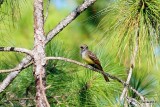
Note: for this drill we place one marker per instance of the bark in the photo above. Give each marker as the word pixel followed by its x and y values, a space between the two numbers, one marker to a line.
pixel 15 49
pixel 39 55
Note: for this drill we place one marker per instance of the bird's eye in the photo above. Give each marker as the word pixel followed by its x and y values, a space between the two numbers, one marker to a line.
pixel 81 47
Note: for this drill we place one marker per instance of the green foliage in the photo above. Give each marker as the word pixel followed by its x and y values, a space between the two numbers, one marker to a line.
pixel 112 41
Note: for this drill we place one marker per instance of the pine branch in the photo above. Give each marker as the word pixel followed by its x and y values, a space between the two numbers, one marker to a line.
pixel 96 70
pixel 50 35
pixel 68 19
pixel 47 9
pixel 133 102
pixel 16 69
pixel 15 49
pixel 12 75
pixel 132 65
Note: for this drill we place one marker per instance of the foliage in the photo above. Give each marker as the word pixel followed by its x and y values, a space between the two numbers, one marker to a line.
pixel 113 42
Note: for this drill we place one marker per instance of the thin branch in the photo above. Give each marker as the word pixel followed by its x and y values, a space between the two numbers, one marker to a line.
pixel 69 19
pixel 16 69
pixel 133 101
pixel 12 75
pixel 18 99
pixel 14 49
pixel 50 35
pixel 46 16
pixel 132 64
pixel 96 70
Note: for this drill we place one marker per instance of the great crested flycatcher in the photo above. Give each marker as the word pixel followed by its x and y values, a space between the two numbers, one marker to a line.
pixel 91 59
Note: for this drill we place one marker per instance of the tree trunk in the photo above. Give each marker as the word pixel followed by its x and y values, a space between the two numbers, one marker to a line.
pixel 39 54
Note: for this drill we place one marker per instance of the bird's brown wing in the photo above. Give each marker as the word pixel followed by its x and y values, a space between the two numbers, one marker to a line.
pixel 95 59
pixel 97 63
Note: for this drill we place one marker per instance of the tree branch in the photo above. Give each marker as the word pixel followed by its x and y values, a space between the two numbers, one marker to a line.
pixel 12 75
pixel 16 69
pixel 133 102
pixel 50 35
pixel 69 19
pixel 96 70
pixel 14 49
pixel 132 64
pixel 47 9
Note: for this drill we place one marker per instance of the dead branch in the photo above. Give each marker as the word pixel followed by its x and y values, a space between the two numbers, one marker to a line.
pixel 14 49
pixel 69 19
pixel 50 35
pixel 133 102
pixel 18 99
pixel 47 9
pixel 96 70
pixel 12 75
pixel 15 69
pixel 132 65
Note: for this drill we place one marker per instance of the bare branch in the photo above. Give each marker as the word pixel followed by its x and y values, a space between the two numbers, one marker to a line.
pixel 132 64
pixel 14 49
pixel 68 19
pixel 15 69
pixel 50 35
pixel 86 66
pixel 96 70
pixel 133 101
pixel 18 99
pixel 12 75
pixel 47 9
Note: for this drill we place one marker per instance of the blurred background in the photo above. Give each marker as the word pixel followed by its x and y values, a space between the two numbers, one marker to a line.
pixel 108 27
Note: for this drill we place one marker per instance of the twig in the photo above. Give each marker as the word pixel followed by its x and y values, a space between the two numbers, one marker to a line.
pixel 20 99
pixel 50 35
pixel 15 69
pixel 46 16
pixel 96 70
pixel 133 101
pixel 14 49
pixel 132 64
pixel 12 75
pixel 69 19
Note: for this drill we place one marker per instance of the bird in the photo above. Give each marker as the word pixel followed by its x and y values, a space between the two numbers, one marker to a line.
pixel 91 59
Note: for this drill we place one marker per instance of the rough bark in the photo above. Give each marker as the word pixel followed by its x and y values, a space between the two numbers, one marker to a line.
pixel 39 55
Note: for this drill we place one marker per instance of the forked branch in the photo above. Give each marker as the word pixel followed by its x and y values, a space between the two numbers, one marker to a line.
pixel 15 69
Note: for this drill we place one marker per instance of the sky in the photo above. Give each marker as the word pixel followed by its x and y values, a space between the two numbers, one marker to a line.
pixel 65 4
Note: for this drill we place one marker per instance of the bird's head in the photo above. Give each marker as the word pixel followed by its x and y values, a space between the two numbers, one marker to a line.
pixel 84 47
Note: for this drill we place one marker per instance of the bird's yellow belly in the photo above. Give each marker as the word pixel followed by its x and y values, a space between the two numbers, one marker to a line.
pixel 87 59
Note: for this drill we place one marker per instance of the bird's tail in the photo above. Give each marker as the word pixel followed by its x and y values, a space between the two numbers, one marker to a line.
pixel 105 77
pixel 100 68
